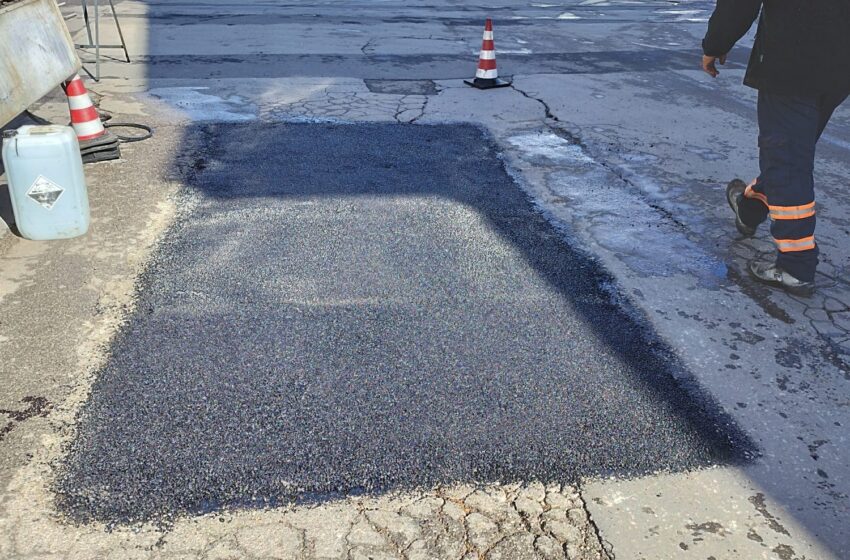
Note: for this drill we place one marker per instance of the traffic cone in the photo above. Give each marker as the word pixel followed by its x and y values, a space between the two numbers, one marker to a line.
pixel 487 76
pixel 96 143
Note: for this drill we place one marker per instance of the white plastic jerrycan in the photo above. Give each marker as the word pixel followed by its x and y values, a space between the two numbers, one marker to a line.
pixel 46 182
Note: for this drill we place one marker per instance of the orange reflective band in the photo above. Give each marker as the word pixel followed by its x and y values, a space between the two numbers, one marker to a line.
pixel 792 216
pixel 749 192
pixel 792 245
pixel 808 206
pixel 792 212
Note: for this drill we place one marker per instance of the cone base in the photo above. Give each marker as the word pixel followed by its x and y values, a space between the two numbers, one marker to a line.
pixel 110 148
pixel 481 83
pixel 102 155
pixel 105 139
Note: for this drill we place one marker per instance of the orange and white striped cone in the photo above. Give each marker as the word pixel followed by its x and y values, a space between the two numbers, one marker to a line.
pixel 84 116
pixel 487 75
pixel 96 143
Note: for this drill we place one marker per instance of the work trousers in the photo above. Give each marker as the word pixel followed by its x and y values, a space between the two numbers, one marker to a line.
pixel 789 129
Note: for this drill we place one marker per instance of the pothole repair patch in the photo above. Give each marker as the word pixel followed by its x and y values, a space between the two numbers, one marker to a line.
pixel 360 308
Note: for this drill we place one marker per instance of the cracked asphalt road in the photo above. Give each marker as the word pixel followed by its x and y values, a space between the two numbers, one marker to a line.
pixel 364 308
pixel 617 139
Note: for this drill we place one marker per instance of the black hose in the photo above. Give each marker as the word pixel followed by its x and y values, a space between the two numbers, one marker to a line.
pixel 128 139
pixel 106 119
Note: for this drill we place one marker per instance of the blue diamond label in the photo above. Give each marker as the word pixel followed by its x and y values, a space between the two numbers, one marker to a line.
pixel 45 192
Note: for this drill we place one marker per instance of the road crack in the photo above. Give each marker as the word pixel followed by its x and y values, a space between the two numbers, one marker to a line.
pixel 421 111
pixel 547 110
pixel 367 46
pixel 606 550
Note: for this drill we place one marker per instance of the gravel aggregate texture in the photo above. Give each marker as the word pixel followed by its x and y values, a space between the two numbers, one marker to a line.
pixel 359 308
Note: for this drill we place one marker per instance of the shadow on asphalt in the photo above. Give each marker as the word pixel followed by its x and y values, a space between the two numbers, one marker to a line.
pixel 414 66
pixel 364 308
pixel 6 212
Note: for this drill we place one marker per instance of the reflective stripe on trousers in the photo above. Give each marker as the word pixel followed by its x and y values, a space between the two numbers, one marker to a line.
pixel 789 128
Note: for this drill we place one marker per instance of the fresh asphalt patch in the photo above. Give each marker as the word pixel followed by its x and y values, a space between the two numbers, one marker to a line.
pixel 360 308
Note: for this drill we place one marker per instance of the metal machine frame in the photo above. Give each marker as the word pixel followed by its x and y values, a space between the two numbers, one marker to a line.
pixel 94 41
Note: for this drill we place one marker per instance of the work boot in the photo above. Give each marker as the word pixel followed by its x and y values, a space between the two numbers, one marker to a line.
pixel 734 191
pixel 769 273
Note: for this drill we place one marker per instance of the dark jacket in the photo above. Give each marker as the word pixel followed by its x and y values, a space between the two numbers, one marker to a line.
pixel 802 46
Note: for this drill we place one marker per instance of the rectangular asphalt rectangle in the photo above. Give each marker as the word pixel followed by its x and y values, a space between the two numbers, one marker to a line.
pixel 351 308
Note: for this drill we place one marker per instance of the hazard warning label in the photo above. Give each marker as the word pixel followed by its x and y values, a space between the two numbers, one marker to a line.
pixel 45 192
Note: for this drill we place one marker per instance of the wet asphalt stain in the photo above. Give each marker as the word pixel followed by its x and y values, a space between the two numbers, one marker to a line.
pixel 814 447
pixel 794 354
pixel 758 502
pixel 35 407
pixel 759 294
pixel 785 552
pixel 361 308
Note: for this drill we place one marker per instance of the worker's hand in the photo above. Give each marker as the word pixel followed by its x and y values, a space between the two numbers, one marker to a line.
pixel 708 64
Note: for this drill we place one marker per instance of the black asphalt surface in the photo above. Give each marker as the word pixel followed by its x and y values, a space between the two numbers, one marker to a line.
pixel 360 308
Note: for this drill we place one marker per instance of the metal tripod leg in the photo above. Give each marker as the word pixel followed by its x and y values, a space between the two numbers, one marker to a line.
pixel 120 34
pixel 97 38
pixel 86 18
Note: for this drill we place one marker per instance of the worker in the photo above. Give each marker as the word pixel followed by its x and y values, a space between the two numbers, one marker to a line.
pixel 800 65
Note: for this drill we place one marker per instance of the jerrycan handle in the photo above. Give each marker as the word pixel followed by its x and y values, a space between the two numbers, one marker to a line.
pixel 8 135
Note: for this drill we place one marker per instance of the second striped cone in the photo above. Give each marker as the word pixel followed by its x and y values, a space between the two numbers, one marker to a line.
pixel 487 75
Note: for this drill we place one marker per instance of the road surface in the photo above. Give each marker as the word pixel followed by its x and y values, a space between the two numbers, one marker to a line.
pixel 622 147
